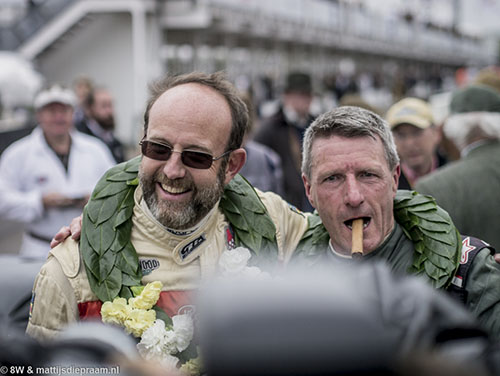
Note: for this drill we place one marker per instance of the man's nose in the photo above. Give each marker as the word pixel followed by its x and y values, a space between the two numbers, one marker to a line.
pixel 353 192
pixel 174 168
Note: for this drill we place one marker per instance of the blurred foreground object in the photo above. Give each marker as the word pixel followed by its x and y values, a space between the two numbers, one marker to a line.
pixel 82 348
pixel 361 320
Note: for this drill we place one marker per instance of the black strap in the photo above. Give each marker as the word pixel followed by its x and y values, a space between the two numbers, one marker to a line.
pixel 470 248
pixel 39 237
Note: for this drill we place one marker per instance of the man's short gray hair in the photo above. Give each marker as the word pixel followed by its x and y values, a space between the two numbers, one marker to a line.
pixel 350 122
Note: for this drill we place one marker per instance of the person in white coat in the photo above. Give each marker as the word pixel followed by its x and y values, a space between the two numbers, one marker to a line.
pixel 46 177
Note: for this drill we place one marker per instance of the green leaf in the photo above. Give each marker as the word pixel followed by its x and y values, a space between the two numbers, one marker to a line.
pixel 127 260
pixel 434 272
pixel 190 353
pixel 416 200
pixel 90 258
pixel 229 206
pixel 106 263
pixel 123 215
pixel 440 248
pixel 434 226
pixel 137 290
pixel 160 314
pixel 122 236
pixel 430 206
pixel 432 217
pixel 100 238
pixel 108 208
pixel 238 221
pixel 125 291
pixel 111 189
pixel 132 165
pixel 92 210
pixel 110 287
pixel 239 185
pixel 439 236
pixel 130 280
pixel 122 176
pixel 133 182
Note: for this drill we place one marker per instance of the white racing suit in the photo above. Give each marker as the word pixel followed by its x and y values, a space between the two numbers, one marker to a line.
pixel 62 293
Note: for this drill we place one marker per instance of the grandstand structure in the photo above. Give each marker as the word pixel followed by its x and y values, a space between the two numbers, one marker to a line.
pixel 124 44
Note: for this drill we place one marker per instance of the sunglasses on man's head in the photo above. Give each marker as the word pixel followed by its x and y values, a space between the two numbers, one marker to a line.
pixel 191 158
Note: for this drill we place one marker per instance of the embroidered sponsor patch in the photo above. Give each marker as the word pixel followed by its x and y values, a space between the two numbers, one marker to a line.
pixel 295 210
pixel 181 233
pixel 190 247
pixel 32 302
pixel 230 242
pixel 466 249
pixel 187 310
pixel 148 265
pixel 457 281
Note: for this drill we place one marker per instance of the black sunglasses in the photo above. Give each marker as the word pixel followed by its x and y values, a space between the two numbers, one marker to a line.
pixel 191 158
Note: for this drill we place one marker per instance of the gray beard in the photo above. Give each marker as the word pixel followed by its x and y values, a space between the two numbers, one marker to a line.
pixel 181 216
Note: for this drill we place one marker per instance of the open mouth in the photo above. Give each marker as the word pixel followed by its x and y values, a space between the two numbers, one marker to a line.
pixel 173 190
pixel 366 222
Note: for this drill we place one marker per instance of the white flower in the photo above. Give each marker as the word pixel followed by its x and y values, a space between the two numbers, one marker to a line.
pixel 254 273
pixel 153 341
pixel 183 329
pixel 169 363
pixel 232 262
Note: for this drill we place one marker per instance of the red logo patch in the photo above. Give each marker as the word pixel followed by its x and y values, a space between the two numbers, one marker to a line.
pixel 466 249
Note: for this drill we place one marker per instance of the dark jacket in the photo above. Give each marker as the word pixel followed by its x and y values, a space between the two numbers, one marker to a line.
pixel 468 189
pixel 114 145
pixel 286 140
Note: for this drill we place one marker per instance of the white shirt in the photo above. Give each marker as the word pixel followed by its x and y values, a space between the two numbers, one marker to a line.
pixel 29 168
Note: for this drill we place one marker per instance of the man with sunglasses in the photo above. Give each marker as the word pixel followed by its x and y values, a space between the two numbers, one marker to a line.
pixel 172 223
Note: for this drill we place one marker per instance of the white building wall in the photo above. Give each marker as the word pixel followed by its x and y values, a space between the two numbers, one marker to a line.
pixel 102 49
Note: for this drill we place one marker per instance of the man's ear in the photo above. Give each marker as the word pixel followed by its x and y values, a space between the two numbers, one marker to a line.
pixel 236 161
pixel 395 176
pixel 307 186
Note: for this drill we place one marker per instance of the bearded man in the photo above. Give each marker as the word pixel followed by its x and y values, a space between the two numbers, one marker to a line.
pixel 174 221
pixel 99 121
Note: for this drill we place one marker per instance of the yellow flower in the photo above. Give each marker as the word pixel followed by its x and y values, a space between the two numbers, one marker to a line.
pixel 139 320
pixel 148 297
pixel 115 312
pixel 192 367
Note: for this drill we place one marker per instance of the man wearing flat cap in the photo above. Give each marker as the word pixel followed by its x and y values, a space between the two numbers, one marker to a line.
pixel 283 132
pixel 47 176
pixel 468 189
pixel 416 137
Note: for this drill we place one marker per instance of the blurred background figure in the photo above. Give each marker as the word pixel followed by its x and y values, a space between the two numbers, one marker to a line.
pixel 263 165
pixel 47 176
pixel 490 77
pixel 468 188
pixel 82 86
pixel 100 121
pixel 283 132
pixel 346 320
pixel 417 139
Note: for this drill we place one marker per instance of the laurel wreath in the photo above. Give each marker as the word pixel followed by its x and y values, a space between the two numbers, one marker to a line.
pixel 436 240
pixel 111 260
